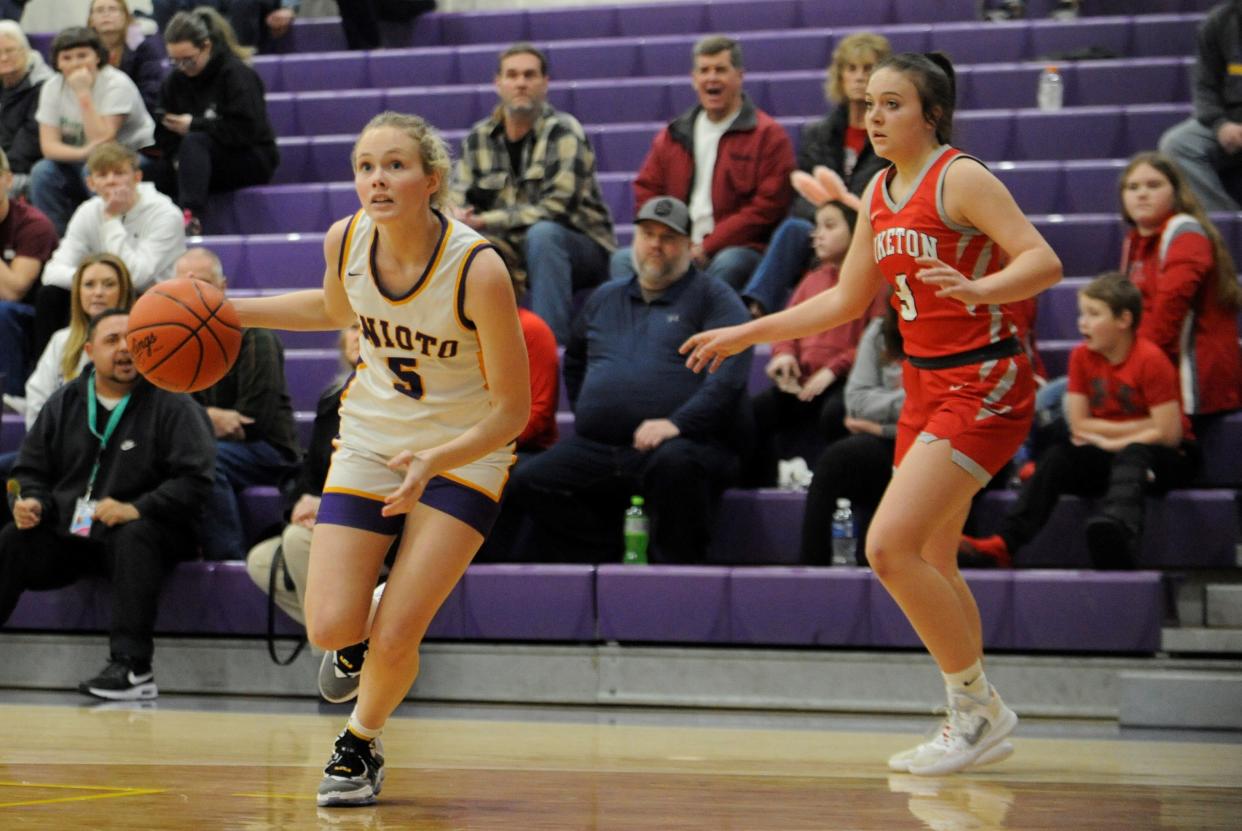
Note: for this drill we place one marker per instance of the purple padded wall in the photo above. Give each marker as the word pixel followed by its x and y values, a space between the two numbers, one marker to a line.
pixel 665 604
pixel 1085 611
pixel 800 606
pixel 529 602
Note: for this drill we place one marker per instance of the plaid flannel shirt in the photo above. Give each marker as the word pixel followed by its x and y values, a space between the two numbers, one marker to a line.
pixel 558 181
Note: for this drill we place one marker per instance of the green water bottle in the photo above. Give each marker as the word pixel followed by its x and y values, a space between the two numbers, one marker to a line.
pixel 636 533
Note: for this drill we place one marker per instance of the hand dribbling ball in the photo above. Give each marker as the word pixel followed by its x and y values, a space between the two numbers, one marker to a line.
pixel 183 335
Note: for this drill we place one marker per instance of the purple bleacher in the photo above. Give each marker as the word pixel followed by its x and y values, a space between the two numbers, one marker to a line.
pixel 744 17
pixel 661 18
pixel 1082 611
pixel 800 606
pixel 623 100
pixel 1050 37
pixel 1172 34
pixel 446 107
pixel 270 260
pixel 409 67
pixel 1184 529
pixel 1027 610
pixel 873 14
pixel 585 60
pixel 568 24
pixel 965 44
pixel 666 604
pixel 529 603
pixel 1221 442
pixel 758 527
pixel 933 11
pixel 505 25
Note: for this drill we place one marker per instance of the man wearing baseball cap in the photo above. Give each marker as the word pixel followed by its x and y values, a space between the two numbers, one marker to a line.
pixel 643 423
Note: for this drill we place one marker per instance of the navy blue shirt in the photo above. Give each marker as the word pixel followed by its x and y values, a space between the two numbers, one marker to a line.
pixel 621 365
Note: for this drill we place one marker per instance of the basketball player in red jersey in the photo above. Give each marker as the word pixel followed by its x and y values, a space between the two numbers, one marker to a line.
pixel 949 238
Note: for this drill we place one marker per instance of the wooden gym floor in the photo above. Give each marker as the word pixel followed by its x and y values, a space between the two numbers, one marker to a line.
pixel 255 766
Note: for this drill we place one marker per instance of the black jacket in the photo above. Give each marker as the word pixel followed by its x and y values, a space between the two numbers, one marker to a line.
pixel 823 142
pixel 1217 91
pixel 19 132
pixel 161 458
pixel 227 102
pixel 145 67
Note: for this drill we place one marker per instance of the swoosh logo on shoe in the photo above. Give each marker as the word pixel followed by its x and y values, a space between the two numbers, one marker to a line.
pixel 979 733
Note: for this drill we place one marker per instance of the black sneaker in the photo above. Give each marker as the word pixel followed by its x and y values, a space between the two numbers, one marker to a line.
pixel 122 681
pixel 355 773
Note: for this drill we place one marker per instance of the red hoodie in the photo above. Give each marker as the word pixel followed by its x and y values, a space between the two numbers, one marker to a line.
pixel 1183 314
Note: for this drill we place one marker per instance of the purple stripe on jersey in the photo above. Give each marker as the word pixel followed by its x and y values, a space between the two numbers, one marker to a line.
pixel 476 509
pixel 354 511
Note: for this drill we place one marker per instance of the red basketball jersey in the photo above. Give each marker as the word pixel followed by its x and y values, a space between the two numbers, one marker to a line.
pixel 918 227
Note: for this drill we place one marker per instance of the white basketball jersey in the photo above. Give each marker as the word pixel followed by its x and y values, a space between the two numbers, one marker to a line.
pixel 421 380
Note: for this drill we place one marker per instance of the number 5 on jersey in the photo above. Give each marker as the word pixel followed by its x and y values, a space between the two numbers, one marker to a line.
pixel 408 382
pixel 906 297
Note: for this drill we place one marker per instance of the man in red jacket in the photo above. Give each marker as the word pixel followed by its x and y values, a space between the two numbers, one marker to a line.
pixel 734 209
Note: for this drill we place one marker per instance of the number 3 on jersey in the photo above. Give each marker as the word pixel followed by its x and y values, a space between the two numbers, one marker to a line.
pixel 408 381
pixel 906 297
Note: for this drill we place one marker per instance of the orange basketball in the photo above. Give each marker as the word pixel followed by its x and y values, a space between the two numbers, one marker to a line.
pixel 184 335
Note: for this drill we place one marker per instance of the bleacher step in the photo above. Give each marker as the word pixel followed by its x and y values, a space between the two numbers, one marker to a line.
pixel 1188 699
pixel 1224 605
pixel 1189 640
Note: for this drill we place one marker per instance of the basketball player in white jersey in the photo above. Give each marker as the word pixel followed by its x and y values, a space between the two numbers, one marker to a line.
pixel 427 423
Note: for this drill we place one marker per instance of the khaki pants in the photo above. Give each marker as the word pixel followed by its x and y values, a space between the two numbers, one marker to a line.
pixel 295 543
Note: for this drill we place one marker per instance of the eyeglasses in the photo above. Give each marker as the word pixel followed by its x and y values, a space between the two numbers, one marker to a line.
pixel 185 63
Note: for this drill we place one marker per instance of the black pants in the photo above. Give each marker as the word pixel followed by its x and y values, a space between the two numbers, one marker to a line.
pixel 205 166
pixel 787 427
pixel 135 557
pixel 857 468
pixel 576 493
pixel 1120 480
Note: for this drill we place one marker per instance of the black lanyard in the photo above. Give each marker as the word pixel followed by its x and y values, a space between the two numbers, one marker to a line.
pixel 113 420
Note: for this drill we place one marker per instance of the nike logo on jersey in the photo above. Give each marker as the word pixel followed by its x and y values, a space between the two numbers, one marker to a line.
pixel 128 444
pixel 956 387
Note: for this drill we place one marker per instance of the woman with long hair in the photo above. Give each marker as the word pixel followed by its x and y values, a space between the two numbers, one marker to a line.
pixel 948 237
pixel 1191 295
pixel 214 132
pixel 101 282
pixel 427 424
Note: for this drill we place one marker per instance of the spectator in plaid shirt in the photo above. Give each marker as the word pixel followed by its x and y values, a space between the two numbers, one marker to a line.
pixel 526 179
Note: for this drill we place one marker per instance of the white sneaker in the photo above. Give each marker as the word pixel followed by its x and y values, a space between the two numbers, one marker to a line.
pixel 902 760
pixel 972 729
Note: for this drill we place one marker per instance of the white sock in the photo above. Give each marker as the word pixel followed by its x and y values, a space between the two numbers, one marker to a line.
pixel 970 681
pixel 358 729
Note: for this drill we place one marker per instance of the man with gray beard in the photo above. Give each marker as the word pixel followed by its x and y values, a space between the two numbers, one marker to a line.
pixel 526 180
pixel 644 424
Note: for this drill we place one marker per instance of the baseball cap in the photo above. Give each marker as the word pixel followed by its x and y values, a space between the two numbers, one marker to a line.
pixel 668 210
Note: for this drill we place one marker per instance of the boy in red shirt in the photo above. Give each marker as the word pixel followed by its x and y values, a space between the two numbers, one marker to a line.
pixel 1128 435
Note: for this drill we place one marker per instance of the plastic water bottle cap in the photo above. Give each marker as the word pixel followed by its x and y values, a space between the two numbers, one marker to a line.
pixel 636 500
pixel 843 503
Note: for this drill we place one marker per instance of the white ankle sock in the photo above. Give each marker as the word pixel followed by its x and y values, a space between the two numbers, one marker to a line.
pixel 356 727
pixel 971 681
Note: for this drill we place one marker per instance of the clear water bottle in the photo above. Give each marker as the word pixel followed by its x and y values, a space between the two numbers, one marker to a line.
pixel 1051 93
pixel 637 533
pixel 844 543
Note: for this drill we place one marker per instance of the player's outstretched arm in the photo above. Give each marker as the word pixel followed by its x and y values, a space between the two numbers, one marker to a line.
pixel 849 299
pixel 309 310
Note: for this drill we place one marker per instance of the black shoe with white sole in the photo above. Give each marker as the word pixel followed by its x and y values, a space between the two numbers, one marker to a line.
pixel 122 680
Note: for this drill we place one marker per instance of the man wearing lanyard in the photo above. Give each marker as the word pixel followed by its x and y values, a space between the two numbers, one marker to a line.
pixel 108 481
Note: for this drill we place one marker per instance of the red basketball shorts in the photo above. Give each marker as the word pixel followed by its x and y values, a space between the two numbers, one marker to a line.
pixel 984 411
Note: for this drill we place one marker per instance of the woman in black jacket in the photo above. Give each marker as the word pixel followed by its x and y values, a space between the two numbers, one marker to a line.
pixel 22 73
pixel 839 142
pixel 214 134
